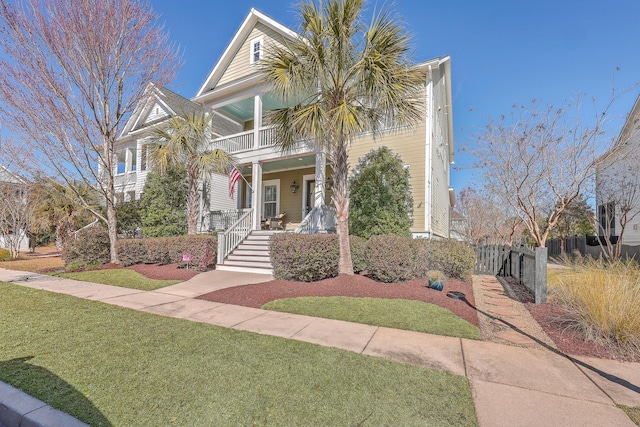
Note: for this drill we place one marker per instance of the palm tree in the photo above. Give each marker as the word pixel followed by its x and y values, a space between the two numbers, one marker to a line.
pixel 351 78
pixel 184 141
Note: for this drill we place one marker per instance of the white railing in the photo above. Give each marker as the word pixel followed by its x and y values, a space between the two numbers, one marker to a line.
pixel 221 220
pixel 267 136
pixel 234 235
pixel 320 220
pixel 234 143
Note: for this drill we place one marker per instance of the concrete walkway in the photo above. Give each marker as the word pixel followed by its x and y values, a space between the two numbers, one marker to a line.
pixel 511 386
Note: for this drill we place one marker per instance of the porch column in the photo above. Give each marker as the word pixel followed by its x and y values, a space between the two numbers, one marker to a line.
pixel 256 197
pixel 257 120
pixel 321 167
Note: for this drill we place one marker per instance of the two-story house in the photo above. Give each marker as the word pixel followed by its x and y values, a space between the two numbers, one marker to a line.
pixel 618 184
pixel 297 183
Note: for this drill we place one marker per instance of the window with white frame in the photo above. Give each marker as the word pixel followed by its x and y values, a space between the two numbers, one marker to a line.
pixel 257 50
pixel 270 205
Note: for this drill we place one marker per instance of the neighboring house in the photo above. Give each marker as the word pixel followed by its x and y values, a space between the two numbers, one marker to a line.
pixel 12 190
pixel 618 184
pixel 297 183
pixel 459 228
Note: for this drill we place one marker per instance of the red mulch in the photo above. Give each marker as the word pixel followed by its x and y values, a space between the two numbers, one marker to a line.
pixel 158 272
pixel 256 295
pixel 553 318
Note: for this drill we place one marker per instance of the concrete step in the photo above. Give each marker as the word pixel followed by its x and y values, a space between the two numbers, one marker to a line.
pixel 252 247
pixel 268 272
pixel 258 258
pixel 254 264
pixel 250 252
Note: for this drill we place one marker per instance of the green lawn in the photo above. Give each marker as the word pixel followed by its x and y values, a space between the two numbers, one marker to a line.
pixel 119 277
pixel 392 313
pixel 633 412
pixel 108 365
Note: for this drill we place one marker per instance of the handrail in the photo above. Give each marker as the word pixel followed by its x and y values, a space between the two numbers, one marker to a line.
pixel 321 219
pixel 234 235
pixel 236 142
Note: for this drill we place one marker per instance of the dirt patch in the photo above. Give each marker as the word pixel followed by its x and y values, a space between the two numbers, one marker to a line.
pixel 256 295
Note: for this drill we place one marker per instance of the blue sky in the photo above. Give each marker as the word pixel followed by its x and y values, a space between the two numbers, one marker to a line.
pixel 503 52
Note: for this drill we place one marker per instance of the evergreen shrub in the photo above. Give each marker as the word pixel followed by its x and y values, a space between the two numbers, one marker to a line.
pixel 89 248
pixel 391 258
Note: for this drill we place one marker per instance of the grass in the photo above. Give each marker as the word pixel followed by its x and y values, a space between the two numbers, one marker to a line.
pixel 633 412
pixel 393 313
pixel 603 300
pixel 120 277
pixel 112 366
pixel 34 264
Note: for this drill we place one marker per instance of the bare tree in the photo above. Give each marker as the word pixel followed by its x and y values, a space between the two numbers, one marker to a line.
pixel 15 215
pixel 540 161
pixel 72 72
pixel 488 221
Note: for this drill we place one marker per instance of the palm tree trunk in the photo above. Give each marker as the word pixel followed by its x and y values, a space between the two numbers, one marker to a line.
pixel 193 205
pixel 341 201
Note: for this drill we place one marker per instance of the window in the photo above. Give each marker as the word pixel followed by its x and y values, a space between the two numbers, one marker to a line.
pixel 134 159
pixel 270 202
pixel 122 163
pixel 257 48
pixel 607 219
pixel 143 157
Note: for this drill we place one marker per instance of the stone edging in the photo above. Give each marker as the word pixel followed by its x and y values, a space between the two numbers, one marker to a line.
pixel 18 409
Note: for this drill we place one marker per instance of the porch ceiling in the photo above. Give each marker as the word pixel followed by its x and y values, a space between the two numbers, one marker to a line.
pixel 243 109
pixel 283 164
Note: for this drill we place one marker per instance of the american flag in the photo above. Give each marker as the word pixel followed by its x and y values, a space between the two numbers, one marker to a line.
pixel 234 176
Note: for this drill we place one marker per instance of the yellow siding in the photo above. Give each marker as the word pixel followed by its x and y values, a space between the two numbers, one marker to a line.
pixel 410 146
pixel 289 202
pixel 240 66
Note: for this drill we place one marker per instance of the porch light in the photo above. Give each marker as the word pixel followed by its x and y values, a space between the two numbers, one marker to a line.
pixel 294 187
pixel 328 183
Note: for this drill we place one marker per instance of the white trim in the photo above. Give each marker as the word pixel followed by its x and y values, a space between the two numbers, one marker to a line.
pixel 252 43
pixel 305 179
pixel 271 182
pixel 243 32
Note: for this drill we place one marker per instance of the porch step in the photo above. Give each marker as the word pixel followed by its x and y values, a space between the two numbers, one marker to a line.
pixel 253 264
pixel 234 256
pixel 252 255
pixel 268 272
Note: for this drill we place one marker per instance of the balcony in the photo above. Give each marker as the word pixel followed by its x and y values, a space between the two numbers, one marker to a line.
pixel 245 141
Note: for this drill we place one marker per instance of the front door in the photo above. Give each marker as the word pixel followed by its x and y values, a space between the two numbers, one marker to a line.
pixel 310 196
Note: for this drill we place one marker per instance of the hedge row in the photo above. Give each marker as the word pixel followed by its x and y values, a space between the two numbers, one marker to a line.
pixel 311 257
pixel 388 258
pixel 198 252
pixel 91 248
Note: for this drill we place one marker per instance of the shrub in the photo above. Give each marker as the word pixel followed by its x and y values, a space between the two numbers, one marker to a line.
pixel 5 255
pixel 455 259
pixel 380 195
pixel 90 247
pixel 603 300
pixel 163 204
pixel 202 251
pixel 132 251
pixel 391 258
pixel 358 253
pixel 304 257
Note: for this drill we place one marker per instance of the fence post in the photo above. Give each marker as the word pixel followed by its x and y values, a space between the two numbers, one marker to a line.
pixel 541 275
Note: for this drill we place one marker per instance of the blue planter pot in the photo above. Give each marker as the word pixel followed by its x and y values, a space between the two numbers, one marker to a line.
pixel 438 285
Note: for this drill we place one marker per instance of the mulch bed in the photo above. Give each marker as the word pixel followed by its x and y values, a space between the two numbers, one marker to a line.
pixel 554 320
pixel 158 272
pixel 256 295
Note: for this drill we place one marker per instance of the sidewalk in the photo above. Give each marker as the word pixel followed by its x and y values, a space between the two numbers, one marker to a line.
pixel 511 386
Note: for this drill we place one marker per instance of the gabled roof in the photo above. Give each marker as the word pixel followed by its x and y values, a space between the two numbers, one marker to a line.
pixel 627 133
pixel 247 26
pixel 6 176
pixel 170 102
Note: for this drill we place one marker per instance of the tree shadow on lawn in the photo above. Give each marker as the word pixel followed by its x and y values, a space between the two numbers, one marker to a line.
pixel 51 389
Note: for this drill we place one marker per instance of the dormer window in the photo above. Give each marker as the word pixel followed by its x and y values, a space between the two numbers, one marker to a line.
pixel 257 49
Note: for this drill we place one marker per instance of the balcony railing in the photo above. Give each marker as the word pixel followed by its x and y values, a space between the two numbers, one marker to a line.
pixel 236 142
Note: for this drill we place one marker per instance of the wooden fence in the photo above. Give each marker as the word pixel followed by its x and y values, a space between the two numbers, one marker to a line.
pixel 587 245
pixel 528 266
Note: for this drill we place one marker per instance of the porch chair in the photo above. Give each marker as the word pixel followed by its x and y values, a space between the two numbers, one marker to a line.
pixel 276 222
